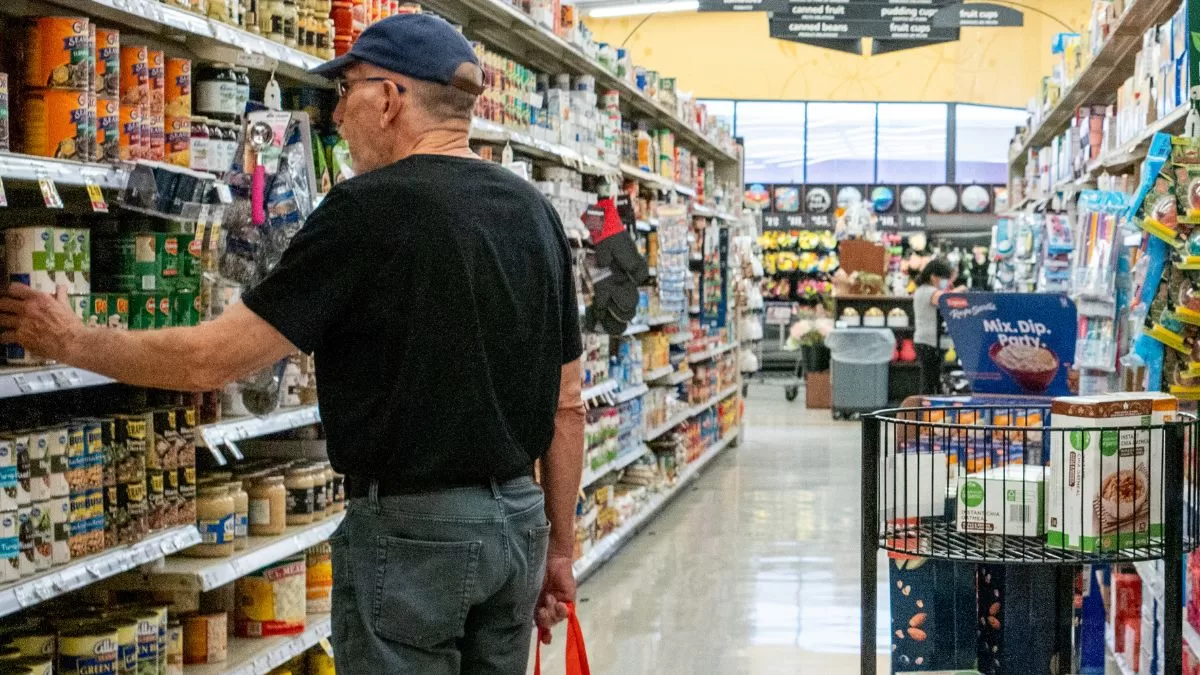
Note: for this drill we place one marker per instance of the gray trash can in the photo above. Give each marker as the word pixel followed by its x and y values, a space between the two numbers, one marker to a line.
pixel 860 360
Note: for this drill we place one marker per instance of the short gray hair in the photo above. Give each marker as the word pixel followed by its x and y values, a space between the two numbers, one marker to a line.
pixel 443 101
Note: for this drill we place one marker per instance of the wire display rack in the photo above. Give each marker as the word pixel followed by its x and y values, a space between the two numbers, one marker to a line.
pixel 1008 485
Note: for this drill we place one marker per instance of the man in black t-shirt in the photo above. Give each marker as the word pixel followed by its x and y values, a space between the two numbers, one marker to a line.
pixel 436 292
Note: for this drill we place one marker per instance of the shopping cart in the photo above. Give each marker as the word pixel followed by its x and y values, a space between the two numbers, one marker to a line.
pixel 778 366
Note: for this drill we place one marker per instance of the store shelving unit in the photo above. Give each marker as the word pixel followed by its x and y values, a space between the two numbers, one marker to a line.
pixel 241 428
pixel 712 352
pixel 259 656
pixel 1100 79
pixel 180 573
pixel 689 413
pixel 21 381
pixel 597 390
pixel 590 476
pixel 609 545
pixel 16 166
pixel 630 394
pixel 491 132
pixel 26 593
pixel 658 373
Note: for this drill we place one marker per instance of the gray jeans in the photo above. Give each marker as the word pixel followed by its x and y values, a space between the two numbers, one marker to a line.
pixel 440 583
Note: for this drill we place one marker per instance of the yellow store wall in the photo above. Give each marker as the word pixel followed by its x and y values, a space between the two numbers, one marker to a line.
pixel 726 55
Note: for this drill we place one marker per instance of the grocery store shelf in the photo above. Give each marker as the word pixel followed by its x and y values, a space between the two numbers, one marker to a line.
pixel 1100 78
pixel 658 373
pixel 500 25
pixel 691 412
pixel 603 550
pixel 590 477
pixel 208 39
pixel 15 166
pixel 259 656
pixel 598 390
pixel 19 595
pixel 635 328
pixel 523 142
pixel 630 394
pixel 180 573
pixel 710 353
pixel 20 381
pixel 682 337
pixel 1135 150
pixel 676 377
pixel 239 429
pixel 662 320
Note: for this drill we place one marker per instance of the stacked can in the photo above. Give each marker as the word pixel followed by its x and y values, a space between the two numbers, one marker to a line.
pixel 17 498
pixel 58 107
pixel 10 532
pixel 134 95
pixel 129 456
pixel 59 505
pixel 178 111
pixel 162 466
pixel 185 418
pixel 108 91
pixel 39 495
pixel 155 121
pixel 85 479
pixel 31 258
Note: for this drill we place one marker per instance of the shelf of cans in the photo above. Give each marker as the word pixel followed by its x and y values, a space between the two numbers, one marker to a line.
pixel 247 656
pixel 600 535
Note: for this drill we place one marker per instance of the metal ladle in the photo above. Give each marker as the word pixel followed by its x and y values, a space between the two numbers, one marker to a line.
pixel 260 137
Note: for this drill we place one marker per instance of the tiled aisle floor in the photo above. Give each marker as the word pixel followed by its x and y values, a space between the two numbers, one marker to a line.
pixel 753 571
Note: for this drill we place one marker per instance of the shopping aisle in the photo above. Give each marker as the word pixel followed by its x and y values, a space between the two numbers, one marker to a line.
pixel 753 570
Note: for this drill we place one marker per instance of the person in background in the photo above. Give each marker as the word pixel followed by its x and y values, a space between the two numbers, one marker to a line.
pixel 934 280
pixel 436 291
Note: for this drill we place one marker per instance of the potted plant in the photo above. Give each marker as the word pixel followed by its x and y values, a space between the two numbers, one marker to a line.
pixel 813 351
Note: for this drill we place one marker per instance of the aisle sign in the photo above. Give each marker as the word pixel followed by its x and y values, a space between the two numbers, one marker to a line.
pixel 743 6
pixel 979 15
pixel 1013 343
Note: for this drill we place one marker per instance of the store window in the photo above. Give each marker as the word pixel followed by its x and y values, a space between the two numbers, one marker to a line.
pixel 774 137
pixel 841 142
pixel 981 141
pixel 912 143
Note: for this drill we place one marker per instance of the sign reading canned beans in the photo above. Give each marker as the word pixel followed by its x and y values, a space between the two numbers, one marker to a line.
pixel 56 123
pixel 108 63
pixel 56 53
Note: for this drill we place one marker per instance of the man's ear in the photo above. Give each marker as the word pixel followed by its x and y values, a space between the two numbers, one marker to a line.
pixel 392 105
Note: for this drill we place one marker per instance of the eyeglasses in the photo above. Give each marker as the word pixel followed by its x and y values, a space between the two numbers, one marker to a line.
pixel 343 85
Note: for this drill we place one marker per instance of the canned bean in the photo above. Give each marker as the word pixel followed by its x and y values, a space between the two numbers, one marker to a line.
pixel 56 123
pixel 34 642
pixel 127 646
pixel 39 464
pixel 25 562
pixel 43 535
pixel 10 546
pixel 56 53
pixel 8 475
pixel 108 63
pixel 20 446
pixel 87 651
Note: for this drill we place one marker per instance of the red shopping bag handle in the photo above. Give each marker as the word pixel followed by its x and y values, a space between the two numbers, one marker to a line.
pixel 577 660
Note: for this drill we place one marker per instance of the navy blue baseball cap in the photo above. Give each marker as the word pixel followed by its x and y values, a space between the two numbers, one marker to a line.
pixel 421 46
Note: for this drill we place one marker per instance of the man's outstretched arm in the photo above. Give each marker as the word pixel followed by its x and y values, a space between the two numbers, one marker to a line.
pixel 201 358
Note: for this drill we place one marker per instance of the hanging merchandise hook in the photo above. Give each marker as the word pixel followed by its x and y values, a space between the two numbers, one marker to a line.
pixel 272 97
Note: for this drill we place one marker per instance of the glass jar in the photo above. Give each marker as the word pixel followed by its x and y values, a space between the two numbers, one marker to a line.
pixel 216 91
pixel 268 506
pixel 320 501
pixel 339 492
pixel 329 496
pixel 291 17
pixel 214 518
pixel 299 484
pixel 270 19
pixel 242 77
pixel 199 162
pixel 241 515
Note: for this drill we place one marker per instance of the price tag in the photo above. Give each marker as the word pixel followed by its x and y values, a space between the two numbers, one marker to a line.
pixel 23 385
pixel 96 195
pixel 214 233
pixel 50 193
pixel 3 197
pixel 60 379
pixel 324 642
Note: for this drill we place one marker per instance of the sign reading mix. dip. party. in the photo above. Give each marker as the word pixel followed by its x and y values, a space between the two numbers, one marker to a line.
pixel 1013 343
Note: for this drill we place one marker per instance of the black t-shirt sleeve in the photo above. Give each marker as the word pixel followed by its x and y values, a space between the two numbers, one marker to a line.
pixel 315 280
pixel 572 341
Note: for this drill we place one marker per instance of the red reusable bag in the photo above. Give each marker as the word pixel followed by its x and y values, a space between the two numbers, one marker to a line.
pixel 577 661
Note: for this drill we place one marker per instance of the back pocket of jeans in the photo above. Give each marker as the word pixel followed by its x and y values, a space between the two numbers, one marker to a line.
pixel 423 590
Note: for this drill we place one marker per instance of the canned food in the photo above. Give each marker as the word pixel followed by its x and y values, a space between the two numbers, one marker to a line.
pixel 178 88
pixel 57 54
pixel 127 646
pixel 107 147
pixel 10 546
pixel 8 475
pixel 57 453
pixel 185 307
pixel 34 643
pixel 43 535
pixel 4 136
pixel 178 142
pixel 156 74
pixel 135 82
pixel 39 464
pixel 158 148
pixel 118 316
pixel 205 638
pixel 26 563
pixel 20 455
pixel 90 650
pixel 36 665
pixel 56 123
pixel 108 63
pixel 164 319
pixel 143 310
pixel 129 132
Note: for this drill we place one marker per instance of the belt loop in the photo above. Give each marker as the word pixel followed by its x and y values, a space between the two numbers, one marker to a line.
pixel 373 494
pixel 495 488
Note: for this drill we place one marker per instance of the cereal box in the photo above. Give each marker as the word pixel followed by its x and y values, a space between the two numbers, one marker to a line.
pixel 1105 489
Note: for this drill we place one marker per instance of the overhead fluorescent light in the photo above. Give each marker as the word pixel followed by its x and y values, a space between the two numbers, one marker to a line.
pixel 644 8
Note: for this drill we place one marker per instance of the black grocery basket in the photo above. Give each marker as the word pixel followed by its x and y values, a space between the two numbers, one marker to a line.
pixel 1113 495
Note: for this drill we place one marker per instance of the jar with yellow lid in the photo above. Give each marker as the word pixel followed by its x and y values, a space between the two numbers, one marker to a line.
pixel 268 506
pixel 215 509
